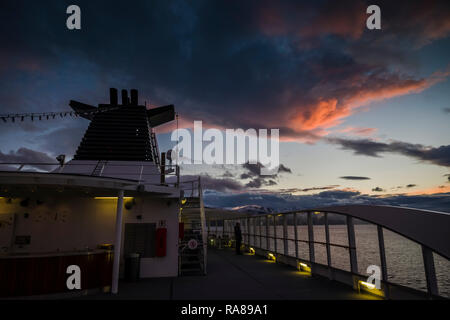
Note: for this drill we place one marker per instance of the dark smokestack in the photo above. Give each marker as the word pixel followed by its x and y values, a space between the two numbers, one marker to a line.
pixel 134 97
pixel 113 96
pixel 124 97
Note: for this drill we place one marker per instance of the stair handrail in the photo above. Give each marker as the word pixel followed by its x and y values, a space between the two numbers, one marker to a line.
pixel 203 224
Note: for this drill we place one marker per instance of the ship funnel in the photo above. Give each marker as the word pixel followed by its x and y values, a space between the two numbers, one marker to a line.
pixel 134 97
pixel 113 100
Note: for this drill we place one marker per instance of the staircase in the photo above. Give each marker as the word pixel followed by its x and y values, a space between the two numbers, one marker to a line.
pixel 192 259
pixel 154 146
pixel 98 170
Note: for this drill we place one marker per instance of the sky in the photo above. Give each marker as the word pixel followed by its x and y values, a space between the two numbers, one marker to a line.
pixel 363 114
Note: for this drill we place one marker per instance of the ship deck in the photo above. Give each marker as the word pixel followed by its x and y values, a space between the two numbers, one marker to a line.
pixel 236 277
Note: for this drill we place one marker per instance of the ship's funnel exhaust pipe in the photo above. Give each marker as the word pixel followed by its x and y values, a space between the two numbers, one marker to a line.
pixel 113 100
pixel 124 97
pixel 134 97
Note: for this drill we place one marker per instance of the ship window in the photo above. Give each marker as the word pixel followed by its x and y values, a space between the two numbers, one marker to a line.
pixel 140 238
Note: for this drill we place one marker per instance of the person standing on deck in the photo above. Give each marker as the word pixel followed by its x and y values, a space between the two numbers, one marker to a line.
pixel 238 237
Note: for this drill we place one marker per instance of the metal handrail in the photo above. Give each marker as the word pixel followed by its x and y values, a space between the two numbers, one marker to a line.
pixel 24 168
pixel 348 212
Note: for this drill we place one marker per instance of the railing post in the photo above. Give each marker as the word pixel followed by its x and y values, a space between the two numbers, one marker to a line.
pixel 217 228
pixel 311 240
pixel 383 260
pixel 260 234
pixel 248 232
pixel 296 235
pixel 254 230
pixel 223 228
pixel 117 244
pixel 352 245
pixel 274 233
pixel 430 271
pixel 286 251
pixel 267 233
pixel 163 168
pixel 327 237
pixel 208 223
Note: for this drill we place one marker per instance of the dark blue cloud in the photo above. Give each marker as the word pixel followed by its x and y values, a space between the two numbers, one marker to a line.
pixel 439 155
pixel 215 60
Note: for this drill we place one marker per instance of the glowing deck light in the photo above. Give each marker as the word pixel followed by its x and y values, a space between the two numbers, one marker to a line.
pixel 271 256
pixel 303 267
pixel 316 212
pixel 370 288
pixel 368 285
pixel 112 198
pixel 183 201
pixel 252 251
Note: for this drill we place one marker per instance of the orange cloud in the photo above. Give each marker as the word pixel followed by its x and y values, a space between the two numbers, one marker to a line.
pixel 327 113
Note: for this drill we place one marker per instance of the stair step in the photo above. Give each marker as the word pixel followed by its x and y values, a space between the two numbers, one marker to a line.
pixel 190 263
pixel 192 258
pixel 189 255
pixel 191 269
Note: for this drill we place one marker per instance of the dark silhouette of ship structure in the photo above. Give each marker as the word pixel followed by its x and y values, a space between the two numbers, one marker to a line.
pixel 112 201
pixel 121 132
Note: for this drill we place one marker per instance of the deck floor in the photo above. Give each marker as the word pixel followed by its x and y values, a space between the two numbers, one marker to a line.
pixel 236 277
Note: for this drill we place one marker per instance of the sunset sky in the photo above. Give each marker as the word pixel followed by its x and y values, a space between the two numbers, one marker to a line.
pixel 363 114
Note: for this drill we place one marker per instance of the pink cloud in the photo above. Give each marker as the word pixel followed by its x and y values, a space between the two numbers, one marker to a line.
pixel 358 131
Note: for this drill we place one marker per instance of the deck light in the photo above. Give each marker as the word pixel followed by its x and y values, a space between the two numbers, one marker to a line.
pixel 271 256
pixel 252 251
pixel 303 267
pixel 183 201
pixel 112 198
pixel 370 288
pixel 368 285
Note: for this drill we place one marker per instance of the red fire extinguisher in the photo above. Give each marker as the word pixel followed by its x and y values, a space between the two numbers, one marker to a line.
pixel 161 240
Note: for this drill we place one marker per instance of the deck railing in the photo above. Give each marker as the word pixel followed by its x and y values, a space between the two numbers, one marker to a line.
pixel 409 247
pixel 140 173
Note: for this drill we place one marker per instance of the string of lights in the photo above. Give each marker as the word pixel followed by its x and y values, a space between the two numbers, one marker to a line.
pixel 12 117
